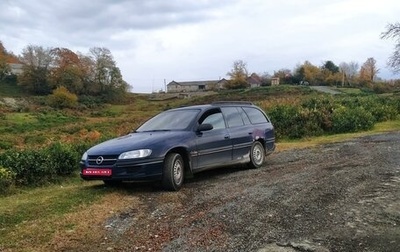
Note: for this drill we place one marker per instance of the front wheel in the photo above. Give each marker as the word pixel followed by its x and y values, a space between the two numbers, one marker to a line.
pixel 173 172
pixel 257 155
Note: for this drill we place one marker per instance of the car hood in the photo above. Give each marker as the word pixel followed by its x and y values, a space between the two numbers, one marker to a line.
pixel 155 140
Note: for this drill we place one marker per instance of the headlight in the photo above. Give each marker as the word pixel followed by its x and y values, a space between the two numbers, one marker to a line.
pixel 135 154
pixel 84 156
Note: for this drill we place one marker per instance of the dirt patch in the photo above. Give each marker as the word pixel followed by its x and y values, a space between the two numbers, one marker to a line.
pixel 334 197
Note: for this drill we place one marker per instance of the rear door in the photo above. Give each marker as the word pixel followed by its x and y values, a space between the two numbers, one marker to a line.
pixel 240 131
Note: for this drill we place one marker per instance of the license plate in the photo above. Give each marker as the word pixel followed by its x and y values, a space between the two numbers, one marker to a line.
pixel 96 172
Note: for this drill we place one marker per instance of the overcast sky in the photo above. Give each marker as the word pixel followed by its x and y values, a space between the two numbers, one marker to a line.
pixel 188 40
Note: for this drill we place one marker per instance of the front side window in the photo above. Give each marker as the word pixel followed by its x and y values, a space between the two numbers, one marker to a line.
pixel 215 119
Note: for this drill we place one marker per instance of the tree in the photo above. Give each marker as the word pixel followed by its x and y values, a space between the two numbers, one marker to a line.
pixel 330 73
pixel 349 72
pixel 5 59
pixel 284 75
pixel 393 31
pixel 67 70
pixel 331 67
pixel 308 73
pixel 368 71
pixel 35 74
pixel 4 67
pixel 238 75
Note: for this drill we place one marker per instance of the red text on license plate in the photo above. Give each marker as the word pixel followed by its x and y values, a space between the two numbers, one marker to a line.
pixel 97 172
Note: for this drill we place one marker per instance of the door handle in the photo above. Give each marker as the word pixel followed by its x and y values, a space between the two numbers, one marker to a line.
pixel 226 136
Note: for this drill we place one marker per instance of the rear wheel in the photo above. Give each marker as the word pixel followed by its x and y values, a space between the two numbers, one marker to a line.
pixel 257 155
pixel 173 173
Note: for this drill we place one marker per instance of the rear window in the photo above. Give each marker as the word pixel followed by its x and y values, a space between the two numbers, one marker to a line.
pixel 255 115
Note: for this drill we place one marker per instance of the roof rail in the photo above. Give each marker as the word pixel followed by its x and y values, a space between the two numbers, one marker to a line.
pixel 232 102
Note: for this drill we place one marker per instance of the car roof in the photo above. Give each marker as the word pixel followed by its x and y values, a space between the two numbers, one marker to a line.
pixel 216 104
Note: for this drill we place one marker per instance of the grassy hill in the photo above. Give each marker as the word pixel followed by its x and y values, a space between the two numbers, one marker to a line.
pixel 28 122
pixel 41 214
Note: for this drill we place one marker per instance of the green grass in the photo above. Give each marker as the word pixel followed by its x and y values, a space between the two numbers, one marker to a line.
pixel 17 123
pixel 43 205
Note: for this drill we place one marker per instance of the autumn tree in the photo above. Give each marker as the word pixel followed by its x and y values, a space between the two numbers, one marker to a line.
pixel 5 59
pixel 4 67
pixel 238 75
pixel 330 73
pixel 36 69
pixel 393 32
pixel 308 73
pixel 67 70
pixel 368 71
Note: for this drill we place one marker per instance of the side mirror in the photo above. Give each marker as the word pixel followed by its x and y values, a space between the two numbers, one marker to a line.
pixel 204 127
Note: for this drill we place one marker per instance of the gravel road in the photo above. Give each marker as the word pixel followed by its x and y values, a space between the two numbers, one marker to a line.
pixel 335 197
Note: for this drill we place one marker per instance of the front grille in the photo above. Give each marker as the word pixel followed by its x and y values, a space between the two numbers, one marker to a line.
pixel 107 160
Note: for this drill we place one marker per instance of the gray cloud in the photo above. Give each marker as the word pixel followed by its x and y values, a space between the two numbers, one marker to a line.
pixel 153 40
pixel 93 22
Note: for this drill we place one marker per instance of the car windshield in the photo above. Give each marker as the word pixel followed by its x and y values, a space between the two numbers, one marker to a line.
pixel 170 120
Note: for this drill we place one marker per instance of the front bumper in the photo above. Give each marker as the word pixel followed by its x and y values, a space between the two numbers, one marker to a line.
pixel 127 170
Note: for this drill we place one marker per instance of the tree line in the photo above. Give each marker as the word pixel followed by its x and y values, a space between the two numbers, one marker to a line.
pixel 46 69
pixel 330 74
pixel 344 74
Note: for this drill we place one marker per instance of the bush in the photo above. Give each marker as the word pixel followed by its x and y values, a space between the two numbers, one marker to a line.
pixel 295 122
pixel 29 166
pixel 62 98
pixel 62 158
pixel 34 167
pixel 351 120
pixel 322 114
pixel 7 180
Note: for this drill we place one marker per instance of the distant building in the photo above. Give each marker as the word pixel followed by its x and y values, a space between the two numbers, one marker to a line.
pixel 274 81
pixel 16 68
pixel 254 80
pixel 195 86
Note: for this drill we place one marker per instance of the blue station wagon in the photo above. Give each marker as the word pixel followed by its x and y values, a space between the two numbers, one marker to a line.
pixel 180 142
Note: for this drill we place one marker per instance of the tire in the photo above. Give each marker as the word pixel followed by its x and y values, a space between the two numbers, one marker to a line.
pixel 257 155
pixel 112 183
pixel 173 173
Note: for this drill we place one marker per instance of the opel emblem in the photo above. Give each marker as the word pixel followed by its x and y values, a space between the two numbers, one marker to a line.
pixel 99 160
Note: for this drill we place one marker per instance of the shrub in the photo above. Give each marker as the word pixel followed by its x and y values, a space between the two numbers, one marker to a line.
pixel 295 122
pixel 34 167
pixel 351 120
pixel 29 166
pixel 7 180
pixel 62 98
pixel 62 158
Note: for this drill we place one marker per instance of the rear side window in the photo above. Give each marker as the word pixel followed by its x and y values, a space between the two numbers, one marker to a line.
pixel 232 116
pixel 255 115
